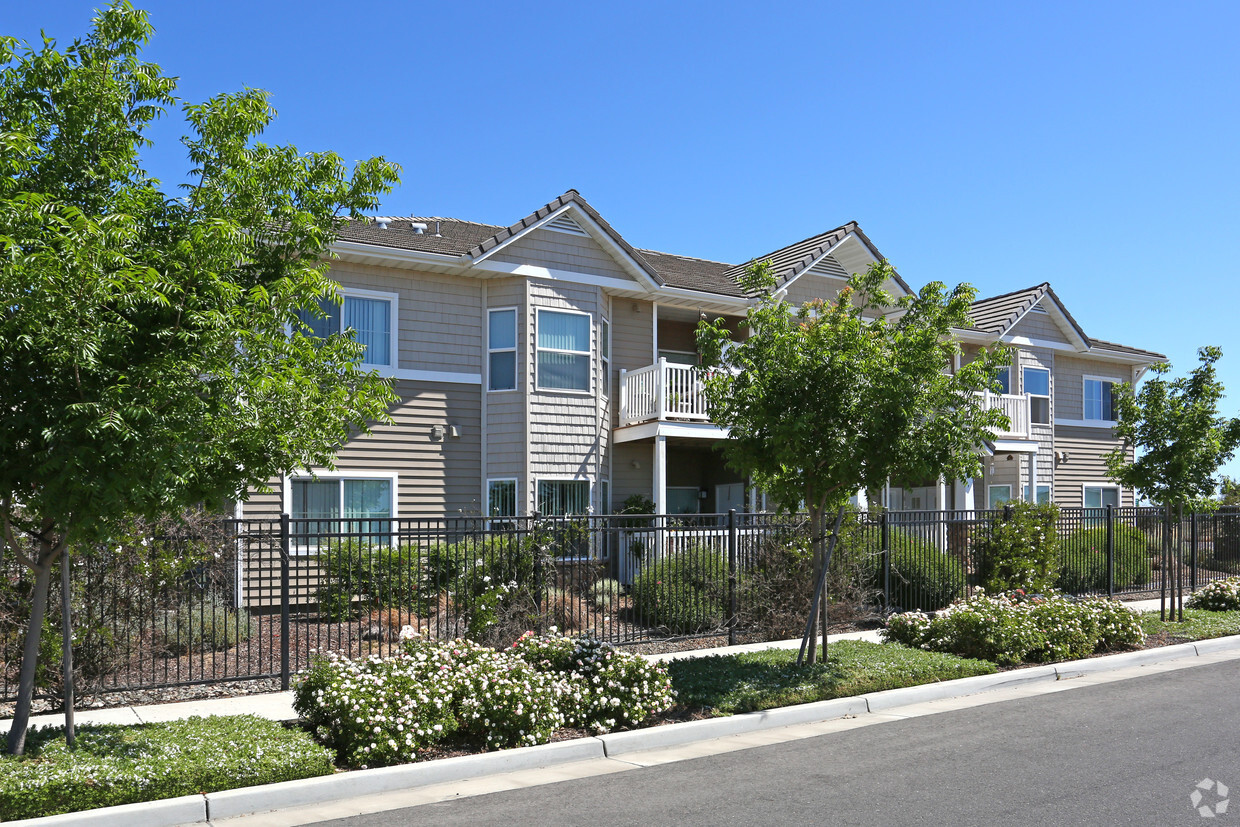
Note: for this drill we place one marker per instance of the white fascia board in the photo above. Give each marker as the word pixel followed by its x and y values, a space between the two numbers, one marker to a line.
pixel 1013 446
pixel 395 255
pixel 1101 424
pixel 539 272
pixel 1061 320
pixel 649 430
pixel 450 377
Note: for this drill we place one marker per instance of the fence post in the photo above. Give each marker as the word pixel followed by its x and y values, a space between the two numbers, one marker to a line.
pixel 536 530
pixel 1110 551
pixel 732 608
pixel 885 542
pixel 1007 513
pixel 284 601
pixel 1192 582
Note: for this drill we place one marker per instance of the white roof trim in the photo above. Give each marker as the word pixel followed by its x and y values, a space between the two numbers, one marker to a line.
pixel 1056 312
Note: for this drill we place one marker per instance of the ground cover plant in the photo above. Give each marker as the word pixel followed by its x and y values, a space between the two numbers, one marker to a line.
pixel 1217 596
pixel 126 764
pixel 1013 628
pixel 1198 624
pixel 750 681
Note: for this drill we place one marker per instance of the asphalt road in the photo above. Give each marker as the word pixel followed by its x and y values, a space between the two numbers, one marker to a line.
pixel 1130 752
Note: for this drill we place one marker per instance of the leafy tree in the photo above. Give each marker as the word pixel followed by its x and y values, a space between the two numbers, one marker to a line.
pixel 1229 492
pixel 835 397
pixel 1180 441
pixel 151 347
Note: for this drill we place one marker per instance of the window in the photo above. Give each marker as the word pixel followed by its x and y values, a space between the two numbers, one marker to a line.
pixel 501 498
pixel 604 351
pixel 563 350
pixel 604 497
pixel 1038 386
pixel 997 495
pixel 1098 400
pixel 369 315
pixel 557 498
pixel 1044 494
pixel 1004 378
pixel 1101 496
pixel 502 349
pixel 358 507
pixel 679 357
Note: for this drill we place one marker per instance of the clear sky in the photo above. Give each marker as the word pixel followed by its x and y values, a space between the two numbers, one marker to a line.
pixel 1091 145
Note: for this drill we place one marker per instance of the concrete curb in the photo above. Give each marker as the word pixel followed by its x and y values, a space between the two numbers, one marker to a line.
pixel 197 809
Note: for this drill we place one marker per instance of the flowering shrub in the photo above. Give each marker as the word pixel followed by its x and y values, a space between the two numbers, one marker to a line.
pixel 1014 628
pixel 1218 596
pixel 1021 551
pixel 605 689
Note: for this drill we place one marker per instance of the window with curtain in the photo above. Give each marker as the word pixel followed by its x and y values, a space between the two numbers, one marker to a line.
pixel 563 351
pixel 1038 386
pixel 370 319
pixel 359 509
pixel 1101 496
pixel 1098 400
pixel 997 495
pixel 557 498
pixel 501 498
pixel 502 349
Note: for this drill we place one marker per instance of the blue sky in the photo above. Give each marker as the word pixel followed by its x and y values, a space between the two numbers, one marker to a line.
pixel 1092 145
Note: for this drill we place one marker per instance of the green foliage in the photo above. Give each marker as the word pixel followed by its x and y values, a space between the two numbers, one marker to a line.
pixel 1229 492
pixel 1083 559
pixel 605 689
pixel 605 593
pixel 359 576
pixel 731 684
pixel 1013 628
pixel 1198 624
pixel 1217 596
pixel 684 592
pixel 922 576
pixel 1180 438
pixel 126 764
pixel 1021 550
pixel 207 626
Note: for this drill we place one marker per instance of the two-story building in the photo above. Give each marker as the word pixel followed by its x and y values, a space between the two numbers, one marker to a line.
pixel 549 366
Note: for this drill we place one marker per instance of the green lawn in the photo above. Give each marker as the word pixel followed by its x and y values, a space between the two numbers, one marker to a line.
pixel 1198 624
pixel 728 684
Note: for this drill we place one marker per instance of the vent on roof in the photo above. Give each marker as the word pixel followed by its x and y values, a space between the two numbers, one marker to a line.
pixel 381 223
pixel 418 227
pixel 1037 308
pixel 565 224
pixel 829 267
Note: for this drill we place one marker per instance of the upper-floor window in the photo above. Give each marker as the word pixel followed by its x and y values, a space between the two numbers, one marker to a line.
pixel 563 360
pixel 1098 404
pixel 502 349
pixel 368 314
pixel 1004 379
pixel 1038 386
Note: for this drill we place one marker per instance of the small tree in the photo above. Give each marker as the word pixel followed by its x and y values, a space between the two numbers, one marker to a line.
pixel 834 397
pixel 151 348
pixel 1180 441
pixel 1229 492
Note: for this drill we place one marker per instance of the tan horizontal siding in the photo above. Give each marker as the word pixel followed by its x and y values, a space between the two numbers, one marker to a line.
pixel 1071 378
pixel 1086 465
pixel 812 286
pixel 561 251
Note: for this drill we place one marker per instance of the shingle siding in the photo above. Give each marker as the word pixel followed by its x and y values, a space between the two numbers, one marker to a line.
pixel 561 251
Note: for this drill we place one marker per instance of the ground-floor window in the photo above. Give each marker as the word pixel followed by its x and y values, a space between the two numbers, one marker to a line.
pixel 357 508
pixel 1044 494
pixel 997 495
pixel 501 498
pixel 557 498
pixel 1100 496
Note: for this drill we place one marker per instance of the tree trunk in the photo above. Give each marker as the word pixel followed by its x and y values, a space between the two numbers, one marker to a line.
pixel 66 647
pixel 30 652
pixel 815 533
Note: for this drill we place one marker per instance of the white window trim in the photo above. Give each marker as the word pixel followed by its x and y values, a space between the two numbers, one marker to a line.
pixel 989 503
pixel 1119 494
pixel 515 349
pixel 1088 378
pixel 351 474
pixel 1050 414
pixel 538 311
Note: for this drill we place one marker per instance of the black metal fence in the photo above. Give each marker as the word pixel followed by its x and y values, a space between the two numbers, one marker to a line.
pixel 251 599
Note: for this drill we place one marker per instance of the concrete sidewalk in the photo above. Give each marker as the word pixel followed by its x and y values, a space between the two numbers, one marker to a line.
pixel 278 706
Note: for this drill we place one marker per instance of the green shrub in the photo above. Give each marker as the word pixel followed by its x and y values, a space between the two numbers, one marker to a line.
pixel 1217 596
pixel 127 764
pixel 923 577
pixel 605 689
pixel 1083 558
pixel 1013 628
pixel 1020 550
pixel 683 592
pixel 604 593
pixel 203 627
pixel 362 576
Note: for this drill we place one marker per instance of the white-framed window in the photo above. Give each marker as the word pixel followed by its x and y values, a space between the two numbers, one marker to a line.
pixel 997 495
pixel 604 497
pixel 1004 379
pixel 559 498
pixel 1038 387
pixel 563 350
pixel 1098 399
pixel 370 314
pixel 356 506
pixel 1044 494
pixel 604 352
pixel 502 349
pixel 679 357
pixel 501 499
pixel 1100 496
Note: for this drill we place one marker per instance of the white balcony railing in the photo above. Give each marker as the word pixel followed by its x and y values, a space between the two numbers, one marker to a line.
pixel 1017 409
pixel 663 391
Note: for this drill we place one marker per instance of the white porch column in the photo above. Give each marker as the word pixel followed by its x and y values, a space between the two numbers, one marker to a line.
pixel 964 495
pixel 660 475
pixel 942 495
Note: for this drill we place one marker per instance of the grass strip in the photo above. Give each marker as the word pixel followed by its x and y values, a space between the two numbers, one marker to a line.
pixel 730 684
pixel 1198 624
pixel 127 764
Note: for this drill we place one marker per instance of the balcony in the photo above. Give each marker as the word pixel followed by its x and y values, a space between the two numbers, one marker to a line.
pixel 666 391
pixel 1017 409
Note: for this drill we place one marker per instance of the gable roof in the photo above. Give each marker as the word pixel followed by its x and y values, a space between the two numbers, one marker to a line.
pixel 693 273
